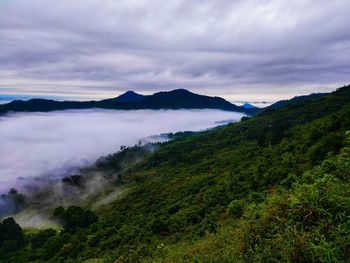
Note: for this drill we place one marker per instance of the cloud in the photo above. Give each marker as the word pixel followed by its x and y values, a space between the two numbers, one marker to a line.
pixel 228 48
pixel 34 219
pixel 53 145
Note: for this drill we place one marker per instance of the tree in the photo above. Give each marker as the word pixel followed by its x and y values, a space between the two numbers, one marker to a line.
pixel 11 231
pixel 75 217
pixel 39 239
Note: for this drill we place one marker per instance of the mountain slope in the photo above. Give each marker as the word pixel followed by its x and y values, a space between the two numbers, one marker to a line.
pixel 296 99
pixel 176 99
pixel 272 188
pixel 182 98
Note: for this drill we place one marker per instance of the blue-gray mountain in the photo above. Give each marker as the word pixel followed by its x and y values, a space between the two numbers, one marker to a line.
pixel 176 99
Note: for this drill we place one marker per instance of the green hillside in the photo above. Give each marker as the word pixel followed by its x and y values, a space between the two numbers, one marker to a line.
pixel 274 187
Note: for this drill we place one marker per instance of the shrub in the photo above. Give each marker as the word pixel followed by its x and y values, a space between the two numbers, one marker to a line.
pixel 11 231
pixel 235 208
pixel 40 238
pixel 75 217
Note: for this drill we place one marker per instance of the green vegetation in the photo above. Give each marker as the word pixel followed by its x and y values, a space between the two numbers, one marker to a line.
pixel 11 236
pixel 271 188
pixel 74 217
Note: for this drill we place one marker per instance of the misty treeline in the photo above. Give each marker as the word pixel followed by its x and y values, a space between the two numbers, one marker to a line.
pixel 73 218
pixel 47 193
pixel 273 187
pixel 12 202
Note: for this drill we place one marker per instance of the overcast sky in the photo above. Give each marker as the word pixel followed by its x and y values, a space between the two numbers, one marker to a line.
pixel 242 50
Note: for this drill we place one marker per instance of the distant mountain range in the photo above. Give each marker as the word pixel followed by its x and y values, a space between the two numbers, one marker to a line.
pixel 176 99
pixel 130 100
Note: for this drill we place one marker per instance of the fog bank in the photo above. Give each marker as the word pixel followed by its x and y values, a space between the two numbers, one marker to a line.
pixel 55 144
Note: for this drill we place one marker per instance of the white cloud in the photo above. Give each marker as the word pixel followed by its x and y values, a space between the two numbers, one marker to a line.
pixel 54 144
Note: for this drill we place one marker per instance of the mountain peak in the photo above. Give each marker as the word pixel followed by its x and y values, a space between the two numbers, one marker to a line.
pixel 129 96
pixel 249 106
pixel 181 91
pixel 129 92
pixel 174 91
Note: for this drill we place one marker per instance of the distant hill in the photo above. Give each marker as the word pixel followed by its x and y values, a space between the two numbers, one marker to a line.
pixel 176 99
pixel 129 96
pixel 249 106
pixel 296 99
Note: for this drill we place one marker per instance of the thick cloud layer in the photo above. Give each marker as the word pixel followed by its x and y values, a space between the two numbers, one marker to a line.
pixel 251 49
pixel 54 144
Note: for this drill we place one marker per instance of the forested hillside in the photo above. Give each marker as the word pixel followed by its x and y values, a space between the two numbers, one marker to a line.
pixel 274 187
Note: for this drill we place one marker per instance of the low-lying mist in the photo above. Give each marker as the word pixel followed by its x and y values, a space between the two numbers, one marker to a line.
pixel 55 144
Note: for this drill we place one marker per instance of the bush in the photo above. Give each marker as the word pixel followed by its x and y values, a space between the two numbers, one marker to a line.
pixel 11 231
pixel 75 217
pixel 235 208
pixel 40 238
pixel 8 246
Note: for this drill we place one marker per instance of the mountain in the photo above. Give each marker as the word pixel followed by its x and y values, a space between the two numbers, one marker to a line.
pixel 182 98
pixel 249 106
pixel 129 96
pixel 176 99
pixel 273 187
pixel 282 103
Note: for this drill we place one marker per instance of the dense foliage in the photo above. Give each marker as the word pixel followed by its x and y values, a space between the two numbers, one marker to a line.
pixel 271 188
pixel 74 217
pixel 11 236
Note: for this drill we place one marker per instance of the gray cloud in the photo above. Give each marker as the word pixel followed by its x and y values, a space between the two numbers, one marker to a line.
pixel 52 145
pixel 270 48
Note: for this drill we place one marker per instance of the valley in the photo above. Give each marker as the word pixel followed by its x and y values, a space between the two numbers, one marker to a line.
pixel 276 187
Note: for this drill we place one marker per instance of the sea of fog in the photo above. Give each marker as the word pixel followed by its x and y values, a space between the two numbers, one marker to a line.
pixel 54 144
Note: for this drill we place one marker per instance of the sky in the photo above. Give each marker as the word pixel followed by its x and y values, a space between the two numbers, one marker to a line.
pixel 250 50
